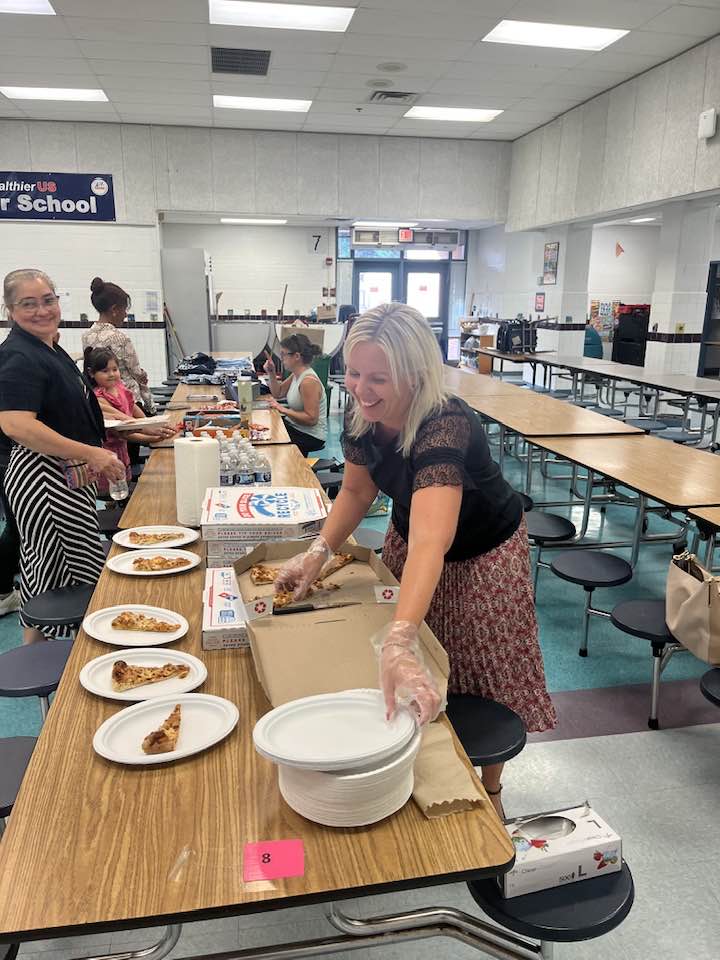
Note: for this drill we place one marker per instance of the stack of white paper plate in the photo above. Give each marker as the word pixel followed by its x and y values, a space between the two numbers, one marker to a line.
pixel 340 763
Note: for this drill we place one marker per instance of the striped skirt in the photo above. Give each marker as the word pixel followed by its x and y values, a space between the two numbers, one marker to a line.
pixel 58 527
pixel 483 613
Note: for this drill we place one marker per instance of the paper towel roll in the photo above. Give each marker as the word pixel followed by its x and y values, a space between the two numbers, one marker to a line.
pixel 197 467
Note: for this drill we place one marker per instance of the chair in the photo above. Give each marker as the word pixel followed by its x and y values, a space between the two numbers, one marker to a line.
pixel 646 619
pixel 34 670
pixel 15 753
pixel 490 732
pixel 544 528
pixel 710 686
pixel 591 569
pixel 576 911
pixel 62 607
pixel 321 366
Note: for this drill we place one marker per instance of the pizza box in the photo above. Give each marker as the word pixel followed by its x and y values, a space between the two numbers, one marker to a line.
pixel 559 847
pixel 224 623
pixel 326 651
pixel 261 513
pixel 228 550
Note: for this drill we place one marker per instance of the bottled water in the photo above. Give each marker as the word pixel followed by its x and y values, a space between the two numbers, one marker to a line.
pixel 227 476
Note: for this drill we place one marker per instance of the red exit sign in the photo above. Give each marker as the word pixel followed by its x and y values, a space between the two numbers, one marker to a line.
pixel 405 235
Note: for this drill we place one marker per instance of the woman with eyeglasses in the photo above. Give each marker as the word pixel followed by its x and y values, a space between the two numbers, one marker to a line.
pixel 306 411
pixel 112 303
pixel 52 418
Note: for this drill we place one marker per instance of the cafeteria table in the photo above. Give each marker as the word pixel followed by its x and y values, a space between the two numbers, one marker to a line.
pixel 474 384
pixel 708 524
pixel 93 846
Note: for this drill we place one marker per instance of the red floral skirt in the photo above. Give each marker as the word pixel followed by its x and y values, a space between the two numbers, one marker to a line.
pixel 483 613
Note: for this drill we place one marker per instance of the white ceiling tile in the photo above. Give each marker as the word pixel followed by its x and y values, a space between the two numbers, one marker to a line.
pixel 133 52
pixel 17 25
pixel 137 31
pixel 658 45
pixel 151 69
pixel 26 47
pixel 515 73
pixel 489 8
pixel 43 110
pixel 446 26
pixel 305 41
pixel 623 14
pixel 76 67
pixel 511 53
pixel 458 89
pixel 399 48
pixel 409 83
pixel 128 98
pixel 336 94
pixel 116 85
pixel 367 65
pixel 582 91
pixel 610 60
pixel 480 99
pixel 698 21
pixel 289 122
pixel 44 78
pixel 186 11
pixel 288 78
pixel 242 87
pixel 157 113
pixel 298 60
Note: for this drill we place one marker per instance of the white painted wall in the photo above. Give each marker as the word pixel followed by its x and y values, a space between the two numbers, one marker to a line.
pixel 500 276
pixel 251 265
pixel 629 277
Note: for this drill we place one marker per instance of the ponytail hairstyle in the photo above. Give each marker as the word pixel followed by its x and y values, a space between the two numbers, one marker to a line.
pixel 94 359
pixel 105 296
pixel 299 343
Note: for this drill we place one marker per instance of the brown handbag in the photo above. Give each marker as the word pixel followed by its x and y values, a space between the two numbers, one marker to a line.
pixel 692 607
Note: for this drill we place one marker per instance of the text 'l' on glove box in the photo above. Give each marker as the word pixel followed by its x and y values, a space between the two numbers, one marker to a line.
pixel 554 849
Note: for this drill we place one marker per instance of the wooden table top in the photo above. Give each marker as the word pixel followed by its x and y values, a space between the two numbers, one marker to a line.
pixel 468 384
pixel 678 476
pixel 709 515
pixel 679 383
pixel 534 415
pixel 264 417
pixel 93 845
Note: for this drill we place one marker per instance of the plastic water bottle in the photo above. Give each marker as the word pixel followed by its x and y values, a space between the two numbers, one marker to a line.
pixel 244 475
pixel 263 471
pixel 227 477
pixel 118 489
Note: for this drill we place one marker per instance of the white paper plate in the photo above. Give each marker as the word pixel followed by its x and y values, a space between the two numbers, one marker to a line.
pixel 333 731
pixel 97 625
pixel 123 562
pixel 204 721
pixel 122 537
pixel 96 676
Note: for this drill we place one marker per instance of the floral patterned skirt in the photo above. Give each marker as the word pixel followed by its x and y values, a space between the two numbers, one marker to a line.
pixel 483 613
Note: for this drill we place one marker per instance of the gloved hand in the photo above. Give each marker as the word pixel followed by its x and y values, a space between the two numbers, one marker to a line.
pixel 404 678
pixel 299 572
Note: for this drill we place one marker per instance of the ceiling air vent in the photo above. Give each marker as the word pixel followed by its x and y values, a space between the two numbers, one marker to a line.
pixel 252 63
pixel 392 96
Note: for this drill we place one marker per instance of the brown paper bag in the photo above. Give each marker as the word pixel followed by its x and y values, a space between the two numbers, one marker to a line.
pixel 443 783
pixel 692 607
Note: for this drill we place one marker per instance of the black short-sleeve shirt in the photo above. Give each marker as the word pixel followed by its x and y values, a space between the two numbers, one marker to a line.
pixel 450 449
pixel 47 382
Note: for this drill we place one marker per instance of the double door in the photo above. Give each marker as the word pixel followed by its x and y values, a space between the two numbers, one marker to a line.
pixel 420 285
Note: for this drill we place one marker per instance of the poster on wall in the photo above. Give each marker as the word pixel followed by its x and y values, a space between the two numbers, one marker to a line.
pixel 603 316
pixel 539 302
pixel 550 262
pixel 87 197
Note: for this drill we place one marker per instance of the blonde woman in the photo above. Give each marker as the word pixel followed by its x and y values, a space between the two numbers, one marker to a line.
pixel 457 541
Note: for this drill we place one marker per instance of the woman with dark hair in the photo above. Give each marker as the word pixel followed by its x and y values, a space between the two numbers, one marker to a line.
pixel 53 419
pixel 112 302
pixel 306 410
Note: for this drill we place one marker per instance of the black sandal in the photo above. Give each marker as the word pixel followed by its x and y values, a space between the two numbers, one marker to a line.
pixel 495 793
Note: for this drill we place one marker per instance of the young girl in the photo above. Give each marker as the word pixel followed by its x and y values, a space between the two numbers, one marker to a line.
pixel 116 403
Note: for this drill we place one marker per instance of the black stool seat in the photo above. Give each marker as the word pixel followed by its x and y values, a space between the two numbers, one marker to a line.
pixel 560 394
pixel 649 426
pixel 325 464
pixel 538 389
pixel 548 527
pixel 576 911
pixel 367 537
pixel 33 670
pixel 677 435
pixel 591 568
pixel 710 686
pixel 329 478
pixel 489 732
pixel 15 753
pixel 63 607
pixel 527 501
pixel 585 404
pixel 109 520
pixel 642 618
pixel 607 411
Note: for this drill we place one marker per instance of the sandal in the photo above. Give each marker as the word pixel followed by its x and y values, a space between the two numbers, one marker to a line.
pixel 496 793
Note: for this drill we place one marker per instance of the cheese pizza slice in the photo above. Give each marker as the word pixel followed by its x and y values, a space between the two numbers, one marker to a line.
pixel 127 676
pixel 159 563
pixel 151 539
pixel 164 740
pixel 129 620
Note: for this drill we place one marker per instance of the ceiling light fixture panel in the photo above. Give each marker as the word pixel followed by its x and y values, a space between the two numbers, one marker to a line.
pixel 260 103
pixel 255 222
pixel 38 8
pixel 279 16
pixel 458 114
pixel 643 220
pixel 54 93
pixel 560 35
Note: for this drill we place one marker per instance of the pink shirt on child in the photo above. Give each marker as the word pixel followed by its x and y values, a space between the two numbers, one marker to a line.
pixel 123 401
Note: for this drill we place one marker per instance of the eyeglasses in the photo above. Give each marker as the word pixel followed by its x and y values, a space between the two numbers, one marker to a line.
pixel 29 305
pixel 284 354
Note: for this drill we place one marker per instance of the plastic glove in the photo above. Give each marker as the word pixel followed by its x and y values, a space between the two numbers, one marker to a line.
pixel 404 678
pixel 298 573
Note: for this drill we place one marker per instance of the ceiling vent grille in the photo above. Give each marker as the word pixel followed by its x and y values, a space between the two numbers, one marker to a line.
pixel 252 63
pixel 392 96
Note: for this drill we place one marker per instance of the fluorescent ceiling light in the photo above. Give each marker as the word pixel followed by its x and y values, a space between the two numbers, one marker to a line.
pixel 553 35
pixel 376 225
pixel 462 114
pixel 53 93
pixel 37 7
pixel 281 16
pixel 256 223
pixel 642 220
pixel 261 103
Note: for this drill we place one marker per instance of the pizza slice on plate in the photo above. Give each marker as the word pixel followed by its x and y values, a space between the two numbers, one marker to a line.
pixel 150 539
pixel 159 563
pixel 164 739
pixel 127 676
pixel 127 620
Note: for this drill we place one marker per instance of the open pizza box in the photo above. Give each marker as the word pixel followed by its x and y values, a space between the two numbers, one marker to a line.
pixel 325 651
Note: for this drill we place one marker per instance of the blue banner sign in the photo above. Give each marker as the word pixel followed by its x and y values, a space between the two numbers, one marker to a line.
pixel 56 196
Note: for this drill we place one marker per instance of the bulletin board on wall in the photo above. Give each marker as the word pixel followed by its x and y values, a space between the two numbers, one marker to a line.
pixel 603 317
pixel 551 255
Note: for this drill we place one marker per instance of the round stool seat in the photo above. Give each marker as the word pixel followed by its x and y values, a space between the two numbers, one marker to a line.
pixel 548 527
pixel 576 911
pixel 527 501
pixel 678 435
pixel 33 670
pixel 560 394
pixel 585 404
pixel 607 411
pixel 325 464
pixel 64 607
pixel 109 520
pixel 649 426
pixel 591 568
pixel 329 478
pixel 367 537
pixel 539 389
pixel 489 732
pixel 15 753
pixel 710 686
pixel 642 618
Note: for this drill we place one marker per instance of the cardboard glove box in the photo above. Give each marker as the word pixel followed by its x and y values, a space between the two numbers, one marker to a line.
pixel 325 651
